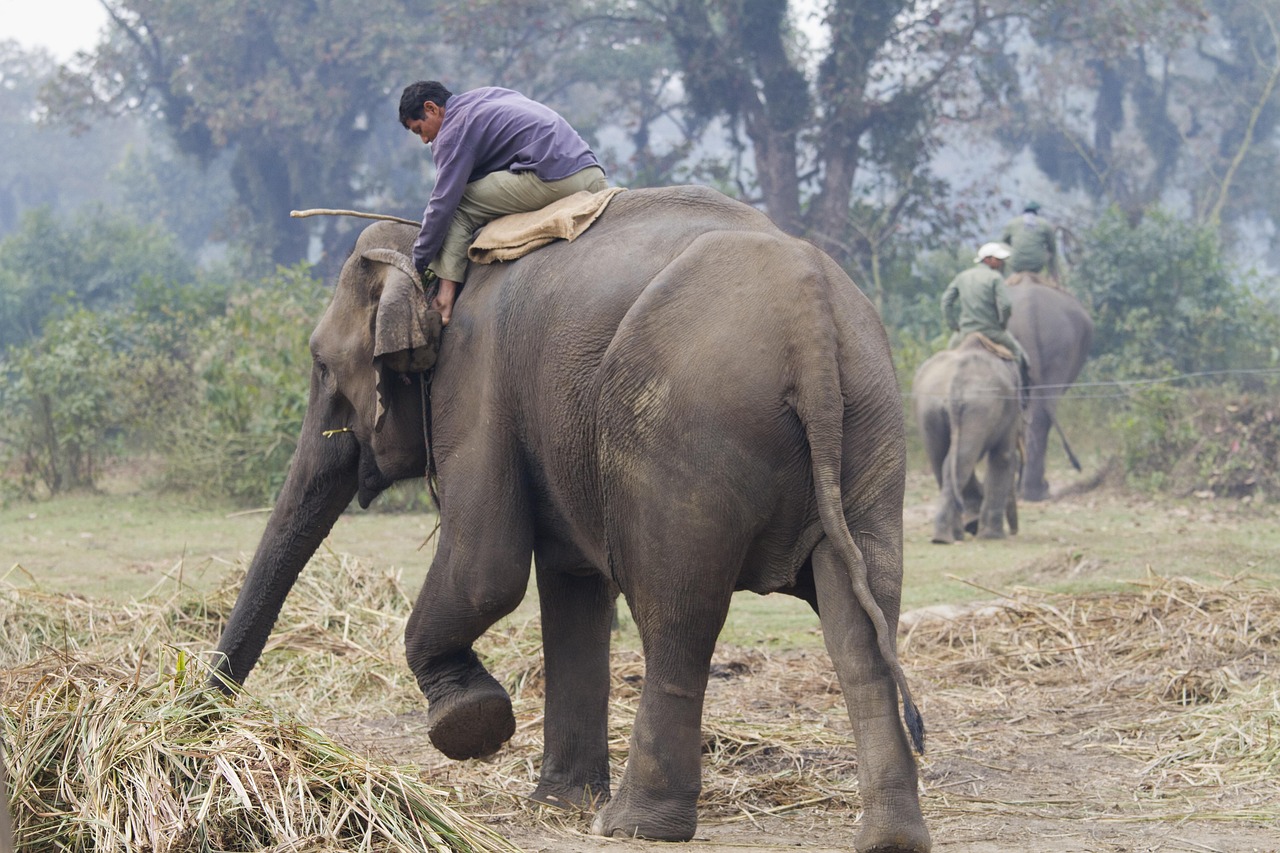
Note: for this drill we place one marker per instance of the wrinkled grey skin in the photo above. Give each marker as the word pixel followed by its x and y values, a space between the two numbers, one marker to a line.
pixel 676 405
pixel 1056 332
pixel 967 408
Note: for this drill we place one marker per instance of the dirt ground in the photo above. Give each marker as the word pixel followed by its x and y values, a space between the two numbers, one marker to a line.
pixel 1143 722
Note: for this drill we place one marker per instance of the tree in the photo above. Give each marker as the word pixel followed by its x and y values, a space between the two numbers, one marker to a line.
pixel 1140 103
pixel 840 142
pixel 43 165
pixel 290 89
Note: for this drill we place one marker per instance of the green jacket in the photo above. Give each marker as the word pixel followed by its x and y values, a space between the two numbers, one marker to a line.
pixel 976 301
pixel 1031 239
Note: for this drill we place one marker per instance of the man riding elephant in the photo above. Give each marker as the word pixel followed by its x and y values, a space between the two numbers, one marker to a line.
pixel 496 152
pixel 1030 238
pixel 976 301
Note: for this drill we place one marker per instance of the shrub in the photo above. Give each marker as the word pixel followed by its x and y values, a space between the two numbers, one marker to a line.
pixel 252 370
pixel 1164 301
pixel 1218 441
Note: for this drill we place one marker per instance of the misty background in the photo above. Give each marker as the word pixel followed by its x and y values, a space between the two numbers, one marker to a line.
pixel 156 296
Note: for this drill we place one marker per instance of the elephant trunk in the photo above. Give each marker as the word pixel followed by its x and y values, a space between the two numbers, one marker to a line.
pixel 321 482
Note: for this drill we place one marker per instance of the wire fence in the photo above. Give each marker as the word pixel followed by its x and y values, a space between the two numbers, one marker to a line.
pixel 1121 388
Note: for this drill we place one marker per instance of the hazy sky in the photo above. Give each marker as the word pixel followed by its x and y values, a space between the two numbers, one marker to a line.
pixel 60 26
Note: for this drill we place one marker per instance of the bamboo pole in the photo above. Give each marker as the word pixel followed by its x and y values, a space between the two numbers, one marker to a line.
pixel 320 211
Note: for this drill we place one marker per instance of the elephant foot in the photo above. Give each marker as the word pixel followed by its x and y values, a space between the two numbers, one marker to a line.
pixel 1034 492
pixel 991 533
pixel 471 723
pixel 946 534
pixel 894 830
pixel 666 818
pixel 571 797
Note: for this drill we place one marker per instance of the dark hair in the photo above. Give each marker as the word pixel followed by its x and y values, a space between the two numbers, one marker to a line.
pixel 417 94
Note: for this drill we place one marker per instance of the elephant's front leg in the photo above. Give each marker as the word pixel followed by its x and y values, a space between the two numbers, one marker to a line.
pixel 658 797
pixel 887 782
pixel 577 615
pixel 475 580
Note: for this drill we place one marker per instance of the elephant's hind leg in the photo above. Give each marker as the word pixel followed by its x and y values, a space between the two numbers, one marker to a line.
pixel 577 615
pixel 887 779
pixel 679 604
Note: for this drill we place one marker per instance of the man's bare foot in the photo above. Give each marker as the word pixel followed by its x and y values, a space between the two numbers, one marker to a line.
pixel 444 299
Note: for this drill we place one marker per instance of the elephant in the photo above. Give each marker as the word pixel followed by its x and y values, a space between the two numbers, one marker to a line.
pixel 681 402
pixel 967 407
pixel 1056 332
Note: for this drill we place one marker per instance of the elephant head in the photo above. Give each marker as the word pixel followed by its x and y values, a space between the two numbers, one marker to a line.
pixel 368 353
pixel 363 429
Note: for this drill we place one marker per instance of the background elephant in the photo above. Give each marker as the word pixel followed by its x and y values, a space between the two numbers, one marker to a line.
pixel 1056 332
pixel 639 411
pixel 967 408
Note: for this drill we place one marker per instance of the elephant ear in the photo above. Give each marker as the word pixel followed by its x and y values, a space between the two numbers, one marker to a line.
pixel 406 335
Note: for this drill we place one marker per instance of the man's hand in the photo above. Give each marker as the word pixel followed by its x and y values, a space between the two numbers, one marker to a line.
pixel 443 301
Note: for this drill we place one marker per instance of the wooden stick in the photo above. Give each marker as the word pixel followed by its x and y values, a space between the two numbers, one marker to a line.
pixel 301 214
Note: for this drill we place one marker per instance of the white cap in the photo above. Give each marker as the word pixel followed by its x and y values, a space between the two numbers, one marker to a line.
pixel 993 250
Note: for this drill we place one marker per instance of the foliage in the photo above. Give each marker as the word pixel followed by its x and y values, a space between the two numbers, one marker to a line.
pixel 46 166
pixel 251 367
pixel 97 383
pixel 96 259
pixel 1208 441
pixel 1163 300
pixel 58 402
pixel 289 88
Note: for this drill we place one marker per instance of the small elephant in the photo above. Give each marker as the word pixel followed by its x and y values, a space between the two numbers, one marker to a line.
pixel 967 408
pixel 682 402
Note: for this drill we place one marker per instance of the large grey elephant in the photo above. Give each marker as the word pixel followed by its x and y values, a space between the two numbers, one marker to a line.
pixel 1056 332
pixel 967 406
pixel 680 403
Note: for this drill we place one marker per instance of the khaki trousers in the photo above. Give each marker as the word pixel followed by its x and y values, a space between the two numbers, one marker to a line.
pixel 498 194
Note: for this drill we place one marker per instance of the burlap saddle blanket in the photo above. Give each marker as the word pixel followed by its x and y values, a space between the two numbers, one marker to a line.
pixel 1032 278
pixel 517 234
pixel 991 346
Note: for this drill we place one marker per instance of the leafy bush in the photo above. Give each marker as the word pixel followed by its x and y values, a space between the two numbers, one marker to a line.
pixel 252 368
pixel 58 403
pixel 1164 300
pixel 1217 441
pixel 94 384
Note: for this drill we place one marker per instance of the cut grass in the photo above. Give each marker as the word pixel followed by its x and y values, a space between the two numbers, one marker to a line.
pixel 107 759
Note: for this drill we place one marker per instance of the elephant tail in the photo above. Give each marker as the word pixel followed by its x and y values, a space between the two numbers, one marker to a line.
pixel 822 413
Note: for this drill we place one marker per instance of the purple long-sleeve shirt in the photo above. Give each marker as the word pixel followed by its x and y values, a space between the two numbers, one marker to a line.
pixel 492 130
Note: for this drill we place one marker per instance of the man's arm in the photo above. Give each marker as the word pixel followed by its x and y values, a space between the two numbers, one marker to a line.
pixel 452 170
pixel 951 307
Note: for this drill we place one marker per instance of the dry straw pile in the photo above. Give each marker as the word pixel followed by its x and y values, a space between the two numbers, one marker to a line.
pixel 113 743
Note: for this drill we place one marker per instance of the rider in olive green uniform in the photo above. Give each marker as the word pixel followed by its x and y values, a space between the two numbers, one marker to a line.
pixel 1031 239
pixel 977 301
